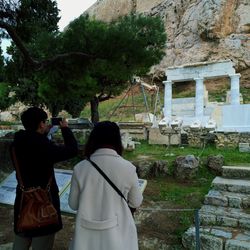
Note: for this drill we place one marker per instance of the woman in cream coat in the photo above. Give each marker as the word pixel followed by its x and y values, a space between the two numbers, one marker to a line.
pixel 104 220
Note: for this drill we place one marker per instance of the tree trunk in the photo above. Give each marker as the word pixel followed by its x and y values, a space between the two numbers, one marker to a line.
pixel 94 104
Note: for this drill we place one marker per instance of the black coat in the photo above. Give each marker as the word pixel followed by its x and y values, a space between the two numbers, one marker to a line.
pixel 36 156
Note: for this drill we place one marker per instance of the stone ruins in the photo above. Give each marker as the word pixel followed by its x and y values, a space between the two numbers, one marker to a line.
pixel 196 116
pixel 206 114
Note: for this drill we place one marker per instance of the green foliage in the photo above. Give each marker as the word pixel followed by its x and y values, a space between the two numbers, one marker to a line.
pixel 140 39
pixel 70 95
pixel 180 194
pixel 36 24
pixel 118 51
pixel 5 101
pixel 94 60
pixel 245 94
pixel 218 95
pixel 126 47
pixel 34 17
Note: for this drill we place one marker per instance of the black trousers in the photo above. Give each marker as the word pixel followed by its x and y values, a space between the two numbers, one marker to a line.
pixel 38 243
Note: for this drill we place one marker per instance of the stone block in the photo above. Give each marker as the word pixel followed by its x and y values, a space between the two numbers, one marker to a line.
pixel 245 236
pixel 226 221
pixel 144 117
pixel 188 238
pixel 236 186
pixel 237 172
pixel 139 133
pixel 234 201
pixel 244 223
pixel 244 147
pixel 246 202
pixel 209 242
pixel 214 198
pixel 237 245
pixel 155 137
pixel 207 219
pixel 221 233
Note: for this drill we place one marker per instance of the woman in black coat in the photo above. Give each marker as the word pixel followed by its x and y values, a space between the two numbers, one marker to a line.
pixel 36 155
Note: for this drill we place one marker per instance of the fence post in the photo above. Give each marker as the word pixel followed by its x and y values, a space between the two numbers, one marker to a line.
pixel 197 229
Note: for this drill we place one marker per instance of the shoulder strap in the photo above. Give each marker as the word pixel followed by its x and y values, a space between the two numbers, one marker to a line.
pixel 16 166
pixel 107 179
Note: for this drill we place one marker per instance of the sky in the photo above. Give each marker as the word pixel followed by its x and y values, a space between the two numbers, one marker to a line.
pixel 69 10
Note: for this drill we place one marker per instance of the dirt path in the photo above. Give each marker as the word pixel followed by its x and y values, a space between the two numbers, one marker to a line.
pixel 7 235
pixel 156 230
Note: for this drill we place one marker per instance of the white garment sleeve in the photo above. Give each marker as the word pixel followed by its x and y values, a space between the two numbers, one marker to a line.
pixel 134 195
pixel 74 193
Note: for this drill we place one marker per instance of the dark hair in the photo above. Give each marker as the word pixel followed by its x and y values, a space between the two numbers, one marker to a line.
pixel 105 134
pixel 32 117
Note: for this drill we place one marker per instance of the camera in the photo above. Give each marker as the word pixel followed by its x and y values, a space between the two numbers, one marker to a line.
pixel 56 120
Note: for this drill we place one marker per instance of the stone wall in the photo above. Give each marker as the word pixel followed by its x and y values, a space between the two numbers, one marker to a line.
pixel 197 138
pixel 231 139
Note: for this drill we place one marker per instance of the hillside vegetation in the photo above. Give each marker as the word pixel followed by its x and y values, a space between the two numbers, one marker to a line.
pixel 132 101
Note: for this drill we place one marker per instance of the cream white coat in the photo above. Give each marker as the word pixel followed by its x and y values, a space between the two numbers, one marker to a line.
pixel 103 220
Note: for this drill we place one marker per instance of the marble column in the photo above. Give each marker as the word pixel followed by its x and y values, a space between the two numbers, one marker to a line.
pixel 168 99
pixel 199 97
pixel 235 89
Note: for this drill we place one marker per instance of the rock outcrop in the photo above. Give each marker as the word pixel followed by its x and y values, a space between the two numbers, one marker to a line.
pixel 197 30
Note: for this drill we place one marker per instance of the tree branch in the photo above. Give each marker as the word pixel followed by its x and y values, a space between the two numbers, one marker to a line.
pixel 16 39
pixel 103 97
pixel 39 65
pixel 47 62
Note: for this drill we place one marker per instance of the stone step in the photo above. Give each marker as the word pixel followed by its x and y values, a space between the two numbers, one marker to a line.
pixel 236 172
pixel 224 216
pixel 231 185
pixel 227 199
pixel 217 238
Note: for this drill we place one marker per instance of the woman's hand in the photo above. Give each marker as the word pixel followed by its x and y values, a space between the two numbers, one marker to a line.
pixel 63 123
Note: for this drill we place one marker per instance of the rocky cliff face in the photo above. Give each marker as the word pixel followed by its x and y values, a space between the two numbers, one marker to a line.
pixel 197 30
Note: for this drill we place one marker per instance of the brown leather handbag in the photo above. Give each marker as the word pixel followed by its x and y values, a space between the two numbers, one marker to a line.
pixel 36 208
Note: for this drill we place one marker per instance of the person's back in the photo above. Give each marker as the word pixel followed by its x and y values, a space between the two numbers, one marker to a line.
pixel 104 220
pixel 35 156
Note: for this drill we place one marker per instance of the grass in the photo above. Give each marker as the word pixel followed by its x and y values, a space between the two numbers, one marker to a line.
pixel 245 94
pixel 170 193
pixel 161 152
pixel 179 192
pixel 124 107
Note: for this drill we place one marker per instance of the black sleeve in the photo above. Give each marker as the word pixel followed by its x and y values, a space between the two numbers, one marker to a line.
pixel 65 151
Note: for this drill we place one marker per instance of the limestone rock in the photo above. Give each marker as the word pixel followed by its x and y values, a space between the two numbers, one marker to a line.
pixel 143 168
pixel 159 168
pixel 215 163
pixel 186 167
pixel 147 168
pixel 197 30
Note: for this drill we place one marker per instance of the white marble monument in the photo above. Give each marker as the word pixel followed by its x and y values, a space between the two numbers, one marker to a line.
pixel 198 72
